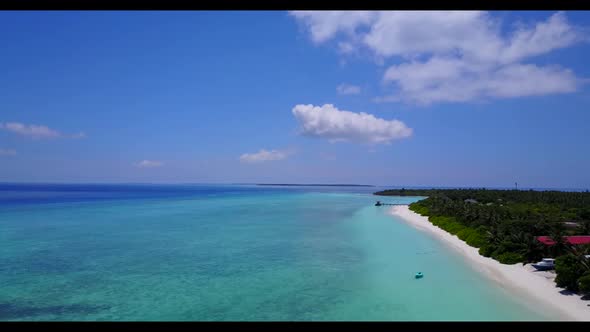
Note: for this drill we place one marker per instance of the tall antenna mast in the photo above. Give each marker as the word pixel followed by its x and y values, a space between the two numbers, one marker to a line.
pixel 516 185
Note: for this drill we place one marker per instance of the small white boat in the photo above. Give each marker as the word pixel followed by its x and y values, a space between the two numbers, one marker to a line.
pixel 545 264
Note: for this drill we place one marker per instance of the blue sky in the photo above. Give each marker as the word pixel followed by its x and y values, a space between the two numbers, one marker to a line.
pixel 464 99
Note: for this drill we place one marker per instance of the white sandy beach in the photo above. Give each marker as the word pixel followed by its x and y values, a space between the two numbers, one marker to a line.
pixel 534 288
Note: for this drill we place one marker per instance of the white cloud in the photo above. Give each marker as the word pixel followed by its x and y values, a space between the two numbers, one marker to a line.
pixel 36 131
pixel 410 33
pixel 348 89
pixel 149 164
pixel 7 152
pixel 453 80
pixel 324 25
pixel 453 56
pixel 336 125
pixel 264 155
pixel 345 47
pixel 546 36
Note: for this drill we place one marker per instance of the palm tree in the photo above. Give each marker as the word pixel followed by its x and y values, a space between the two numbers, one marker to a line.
pixel 540 227
pixel 532 249
pixel 580 251
pixel 493 235
pixel 584 227
pixel 558 236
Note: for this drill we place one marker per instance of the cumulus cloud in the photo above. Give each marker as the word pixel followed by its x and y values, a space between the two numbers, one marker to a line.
pixel 544 37
pixel 453 80
pixel 36 131
pixel 7 152
pixel 452 56
pixel 345 47
pixel 264 155
pixel 324 26
pixel 149 164
pixel 337 125
pixel 348 89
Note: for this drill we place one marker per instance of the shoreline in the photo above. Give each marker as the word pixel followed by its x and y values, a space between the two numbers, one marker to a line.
pixel 535 288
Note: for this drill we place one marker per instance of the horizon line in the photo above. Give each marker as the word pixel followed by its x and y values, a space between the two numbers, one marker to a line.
pixel 289 184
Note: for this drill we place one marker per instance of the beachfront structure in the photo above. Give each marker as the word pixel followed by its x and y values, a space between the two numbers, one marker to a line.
pixel 573 240
pixel 570 224
pixel 545 265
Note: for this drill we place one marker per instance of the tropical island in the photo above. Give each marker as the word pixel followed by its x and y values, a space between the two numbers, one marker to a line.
pixel 515 226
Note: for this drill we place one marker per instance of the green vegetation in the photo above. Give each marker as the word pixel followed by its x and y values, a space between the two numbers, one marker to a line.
pixel 475 238
pixel 584 283
pixel 504 224
pixel 569 270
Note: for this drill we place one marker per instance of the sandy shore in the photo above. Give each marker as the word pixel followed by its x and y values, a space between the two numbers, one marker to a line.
pixel 534 288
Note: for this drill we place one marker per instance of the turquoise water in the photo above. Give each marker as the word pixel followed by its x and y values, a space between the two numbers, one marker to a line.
pixel 231 254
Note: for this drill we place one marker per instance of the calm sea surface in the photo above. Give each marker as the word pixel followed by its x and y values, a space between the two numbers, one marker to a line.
pixel 199 252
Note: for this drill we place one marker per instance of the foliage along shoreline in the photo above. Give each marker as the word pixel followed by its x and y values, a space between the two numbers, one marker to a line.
pixel 505 224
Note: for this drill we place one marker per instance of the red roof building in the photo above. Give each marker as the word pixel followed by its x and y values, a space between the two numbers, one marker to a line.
pixel 575 240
